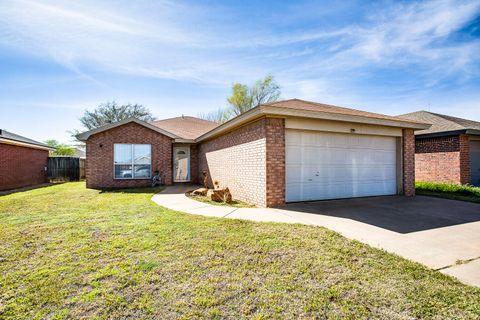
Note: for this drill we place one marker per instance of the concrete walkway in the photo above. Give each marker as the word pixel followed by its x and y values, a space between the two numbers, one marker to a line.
pixel 439 248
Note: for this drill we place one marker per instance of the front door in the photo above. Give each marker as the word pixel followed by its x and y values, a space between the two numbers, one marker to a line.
pixel 181 164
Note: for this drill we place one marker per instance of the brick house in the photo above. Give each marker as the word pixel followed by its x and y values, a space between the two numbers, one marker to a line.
pixel 285 151
pixel 23 161
pixel 447 152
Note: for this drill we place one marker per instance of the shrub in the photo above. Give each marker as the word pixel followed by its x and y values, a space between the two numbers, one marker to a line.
pixel 448 188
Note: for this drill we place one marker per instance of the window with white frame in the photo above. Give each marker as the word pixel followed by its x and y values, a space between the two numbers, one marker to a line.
pixel 132 161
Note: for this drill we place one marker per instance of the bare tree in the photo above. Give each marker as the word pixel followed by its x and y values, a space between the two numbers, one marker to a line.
pixel 111 112
pixel 244 98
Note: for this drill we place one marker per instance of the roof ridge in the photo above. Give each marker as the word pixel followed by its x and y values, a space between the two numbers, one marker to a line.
pixel 184 116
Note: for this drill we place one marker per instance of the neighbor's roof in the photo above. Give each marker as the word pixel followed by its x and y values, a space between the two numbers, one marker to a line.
pixel 12 138
pixel 186 127
pixel 442 123
pixel 80 153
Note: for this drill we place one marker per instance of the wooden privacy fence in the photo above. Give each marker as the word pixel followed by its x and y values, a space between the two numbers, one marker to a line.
pixel 66 168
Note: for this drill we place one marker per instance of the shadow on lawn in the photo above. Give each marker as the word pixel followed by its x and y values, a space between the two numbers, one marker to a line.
pixel 146 190
pixel 28 188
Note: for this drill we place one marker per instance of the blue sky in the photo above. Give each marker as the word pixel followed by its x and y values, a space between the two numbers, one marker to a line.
pixel 58 58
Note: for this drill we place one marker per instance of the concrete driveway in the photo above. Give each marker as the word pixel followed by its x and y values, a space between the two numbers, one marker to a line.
pixel 439 233
pixel 442 234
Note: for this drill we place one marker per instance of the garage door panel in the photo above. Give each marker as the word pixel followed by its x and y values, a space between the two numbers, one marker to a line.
pixel 475 162
pixel 292 156
pixel 324 165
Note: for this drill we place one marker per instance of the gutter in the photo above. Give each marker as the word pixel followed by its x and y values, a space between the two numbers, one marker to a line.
pixel 25 144
pixel 448 133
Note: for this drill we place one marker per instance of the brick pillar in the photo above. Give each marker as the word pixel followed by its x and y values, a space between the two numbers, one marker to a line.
pixel 275 161
pixel 408 162
pixel 464 159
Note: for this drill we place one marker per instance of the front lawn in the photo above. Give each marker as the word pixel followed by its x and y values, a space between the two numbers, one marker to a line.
pixel 448 191
pixel 69 252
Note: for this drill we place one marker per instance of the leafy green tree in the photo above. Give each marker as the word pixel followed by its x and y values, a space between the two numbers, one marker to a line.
pixel 244 98
pixel 111 112
pixel 61 149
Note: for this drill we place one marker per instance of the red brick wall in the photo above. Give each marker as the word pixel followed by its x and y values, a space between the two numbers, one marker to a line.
pixel 408 162
pixel 21 166
pixel 99 161
pixel 441 167
pixel 194 176
pixel 237 160
pixel 275 130
pixel 443 159
pixel 440 144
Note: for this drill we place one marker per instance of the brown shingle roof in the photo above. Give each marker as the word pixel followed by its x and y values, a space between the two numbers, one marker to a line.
pixel 441 122
pixel 185 127
pixel 314 106
pixel 4 134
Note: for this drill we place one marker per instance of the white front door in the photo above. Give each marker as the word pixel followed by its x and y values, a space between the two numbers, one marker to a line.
pixel 181 162
pixel 322 165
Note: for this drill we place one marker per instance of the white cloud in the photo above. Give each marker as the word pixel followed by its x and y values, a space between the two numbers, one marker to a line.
pixel 212 47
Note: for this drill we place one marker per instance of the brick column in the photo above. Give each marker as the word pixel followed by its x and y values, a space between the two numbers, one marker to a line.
pixel 408 162
pixel 275 162
pixel 464 159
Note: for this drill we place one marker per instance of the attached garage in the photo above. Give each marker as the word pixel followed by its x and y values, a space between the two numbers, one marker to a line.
pixel 283 151
pixel 323 165
pixel 475 162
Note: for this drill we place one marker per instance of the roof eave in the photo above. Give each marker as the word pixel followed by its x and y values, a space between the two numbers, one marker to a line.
pixel 475 132
pixel 182 140
pixel 448 133
pixel 264 110
pixel 25 144
pixel 344 117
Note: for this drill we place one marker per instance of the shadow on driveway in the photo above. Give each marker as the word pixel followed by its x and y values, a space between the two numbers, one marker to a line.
pixel 396 213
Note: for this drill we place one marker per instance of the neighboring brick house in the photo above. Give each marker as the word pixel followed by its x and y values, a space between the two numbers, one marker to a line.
pixel 23 161
pixel 447 152
pixel 285 151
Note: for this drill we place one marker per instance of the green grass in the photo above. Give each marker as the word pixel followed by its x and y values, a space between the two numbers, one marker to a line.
pixel 235 203
pixel 449 191
pixel 67 253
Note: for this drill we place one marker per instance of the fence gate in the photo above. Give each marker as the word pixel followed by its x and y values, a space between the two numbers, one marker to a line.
pixel 64 168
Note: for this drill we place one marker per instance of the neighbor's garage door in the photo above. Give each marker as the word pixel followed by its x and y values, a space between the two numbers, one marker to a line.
pixel 475 162
pixel 323 165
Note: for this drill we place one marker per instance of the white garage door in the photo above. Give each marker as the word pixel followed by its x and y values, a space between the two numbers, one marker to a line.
pixel 323 165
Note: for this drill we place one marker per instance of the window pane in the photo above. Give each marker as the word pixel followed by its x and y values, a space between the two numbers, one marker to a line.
pixel 123 171
pixel 142 153
pixel 142 171
pixel 123 153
